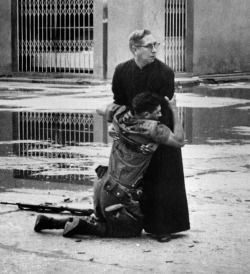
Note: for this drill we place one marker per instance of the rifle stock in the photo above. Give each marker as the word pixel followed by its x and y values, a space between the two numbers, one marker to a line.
pixel 47 208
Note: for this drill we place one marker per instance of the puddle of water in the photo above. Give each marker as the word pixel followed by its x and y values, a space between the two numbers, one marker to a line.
pixel 67 146
pixel 224 112
pixel 205 124
pixel 8 181
pixel 54 147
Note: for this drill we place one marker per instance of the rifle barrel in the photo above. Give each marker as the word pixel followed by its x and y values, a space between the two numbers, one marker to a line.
pixel 6 203
pixel 51 209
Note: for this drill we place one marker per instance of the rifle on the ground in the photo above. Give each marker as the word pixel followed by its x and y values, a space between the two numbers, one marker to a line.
pixel 50 208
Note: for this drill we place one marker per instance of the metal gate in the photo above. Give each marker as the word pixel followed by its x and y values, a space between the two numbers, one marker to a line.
pixel 55 36
pixel 175 33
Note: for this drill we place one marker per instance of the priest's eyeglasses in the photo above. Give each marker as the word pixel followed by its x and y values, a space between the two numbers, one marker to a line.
pixel 150 46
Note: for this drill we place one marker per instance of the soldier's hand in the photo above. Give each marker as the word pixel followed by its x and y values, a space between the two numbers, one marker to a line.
pixel 113 133
pixel 172 102
pixel 100 171
pixel 172 105
pixel 149 148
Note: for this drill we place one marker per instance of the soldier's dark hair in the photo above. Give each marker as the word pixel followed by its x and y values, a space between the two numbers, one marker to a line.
pixel 136 36
pixel 145 101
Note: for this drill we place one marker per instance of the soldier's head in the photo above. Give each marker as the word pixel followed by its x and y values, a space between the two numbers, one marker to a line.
pixel 143 46
pixel 147 105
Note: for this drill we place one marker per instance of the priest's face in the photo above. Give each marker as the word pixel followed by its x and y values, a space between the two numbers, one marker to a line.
pixel 145 50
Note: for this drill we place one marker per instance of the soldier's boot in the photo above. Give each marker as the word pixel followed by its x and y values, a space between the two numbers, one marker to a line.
pixel 83 226
pixel 44 222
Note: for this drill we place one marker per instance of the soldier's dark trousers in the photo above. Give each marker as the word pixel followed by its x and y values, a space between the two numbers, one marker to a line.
pixel 122 221
pixel 117 215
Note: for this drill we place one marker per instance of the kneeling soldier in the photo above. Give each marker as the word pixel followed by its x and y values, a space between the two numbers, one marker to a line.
pixel 117 193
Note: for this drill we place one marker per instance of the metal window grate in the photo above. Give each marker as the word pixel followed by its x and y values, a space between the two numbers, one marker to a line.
pixel 55 36
pixel 175 33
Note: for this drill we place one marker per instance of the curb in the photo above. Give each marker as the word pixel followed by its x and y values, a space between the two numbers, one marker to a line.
pixel 180 80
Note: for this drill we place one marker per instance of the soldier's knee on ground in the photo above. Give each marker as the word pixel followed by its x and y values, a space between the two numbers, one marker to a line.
pixel 134 209
pixel 122 217
pixel 123 225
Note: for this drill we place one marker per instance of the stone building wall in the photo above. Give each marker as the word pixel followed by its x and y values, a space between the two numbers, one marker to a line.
pixel 5 37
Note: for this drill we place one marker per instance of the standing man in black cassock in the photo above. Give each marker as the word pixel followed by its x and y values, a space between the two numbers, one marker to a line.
pixel 164 203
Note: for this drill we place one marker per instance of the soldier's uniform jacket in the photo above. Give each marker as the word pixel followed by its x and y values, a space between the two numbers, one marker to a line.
pixel 127 163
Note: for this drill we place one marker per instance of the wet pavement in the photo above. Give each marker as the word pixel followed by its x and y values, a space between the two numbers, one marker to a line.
pixel 51 141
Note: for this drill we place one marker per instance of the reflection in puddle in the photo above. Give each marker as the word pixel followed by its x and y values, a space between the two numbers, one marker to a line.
pixel 66 147
pixel 205 124
pixel 59 146
pixel 216 121
pixel 55 128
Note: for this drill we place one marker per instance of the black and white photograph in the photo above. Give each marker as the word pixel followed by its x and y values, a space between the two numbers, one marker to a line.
pixel 124 136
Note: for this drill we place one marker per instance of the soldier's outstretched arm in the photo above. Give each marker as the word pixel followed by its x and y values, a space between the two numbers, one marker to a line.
pixel 108 111
pixel 176 139
pixel 166 136
pixel 178 132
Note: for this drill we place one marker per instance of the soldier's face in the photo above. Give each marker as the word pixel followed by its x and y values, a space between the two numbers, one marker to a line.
pixel 155 115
